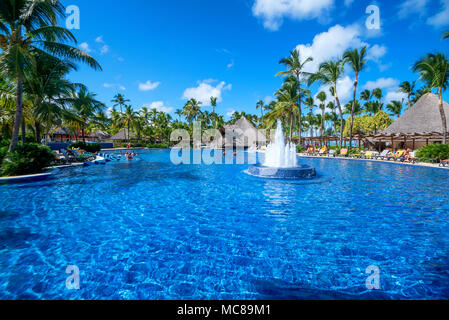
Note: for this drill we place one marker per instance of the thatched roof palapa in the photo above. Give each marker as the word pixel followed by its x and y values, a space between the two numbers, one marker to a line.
pixel 123 135
pixel 421 119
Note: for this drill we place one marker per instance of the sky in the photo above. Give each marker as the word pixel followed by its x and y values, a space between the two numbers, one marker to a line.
pixel 160 53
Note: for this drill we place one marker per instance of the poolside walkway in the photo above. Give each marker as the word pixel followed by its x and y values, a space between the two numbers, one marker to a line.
pixel 419 164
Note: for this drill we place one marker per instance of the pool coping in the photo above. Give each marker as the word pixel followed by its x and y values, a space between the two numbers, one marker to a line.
pixel 25 177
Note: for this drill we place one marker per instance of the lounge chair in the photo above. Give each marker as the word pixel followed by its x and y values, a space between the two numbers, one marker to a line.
pixel 368 155
pixel 412 158
pixel 323 151
pixel 444 163
pixel 383 155
pixel 332 153
pixel 344 152
pixel 398 155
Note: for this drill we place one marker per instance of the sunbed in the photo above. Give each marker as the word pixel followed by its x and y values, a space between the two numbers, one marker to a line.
pixel 344 152
pixel 383 155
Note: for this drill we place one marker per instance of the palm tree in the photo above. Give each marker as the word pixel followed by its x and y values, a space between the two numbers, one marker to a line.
pixel 213 103
pixel 295 67
pixel 119 100
pixel 328 74
pixel 372 107
pixel 145 114
pixel 357 61
pixel 310 102
pixel 395 108
pixel 446 35
pixel 353 108
pixel 366 95
pixel 322 98
pixel 191 110
pixel 178 112
pixel 260 105
pixel 28 27
pixel 287 104
pixel 409 89
pixel 434 71
pixel 378 94
pixel 85 106
pixel 128 118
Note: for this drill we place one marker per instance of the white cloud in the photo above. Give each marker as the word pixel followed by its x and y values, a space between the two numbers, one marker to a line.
pixel 114 85
pixel 104 49
pixel 159 106
pixel 230 65
pixel 205 90
pixel 410 7
pixel 85 47
pixel 120 59
pixel 273 12
pixel 376 52
pixel 99 39
pixel 393 95
pixel 148 86
pixel 330 44
pixel 230 113
pixel 441 18
pixel 382 83
pixel 348 2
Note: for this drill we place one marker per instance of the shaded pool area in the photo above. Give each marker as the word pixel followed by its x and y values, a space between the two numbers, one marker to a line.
pixel 153 230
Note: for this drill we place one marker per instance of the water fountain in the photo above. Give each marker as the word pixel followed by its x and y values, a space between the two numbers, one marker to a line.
pixel 281 161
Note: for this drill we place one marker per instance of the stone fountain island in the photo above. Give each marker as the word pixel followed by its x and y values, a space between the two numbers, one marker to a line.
pixel 281 161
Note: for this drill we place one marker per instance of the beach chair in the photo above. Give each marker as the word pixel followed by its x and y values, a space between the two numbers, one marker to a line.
pixel 412 159
pixel 332 153
pixel 344 152
pixel 368 155
pixel 444 163
pixel 309 151
pixel 383 155
pixel 396 156
pixel 323 151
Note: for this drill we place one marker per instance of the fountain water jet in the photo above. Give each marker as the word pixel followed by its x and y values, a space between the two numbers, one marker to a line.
pixel 281 161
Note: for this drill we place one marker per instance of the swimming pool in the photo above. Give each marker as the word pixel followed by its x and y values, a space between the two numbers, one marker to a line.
pixel 153 230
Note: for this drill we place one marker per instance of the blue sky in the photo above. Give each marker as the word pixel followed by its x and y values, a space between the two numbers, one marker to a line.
pixel 161 52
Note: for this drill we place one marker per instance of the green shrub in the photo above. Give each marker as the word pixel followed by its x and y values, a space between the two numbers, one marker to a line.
pixel 157 145
pixel 433 151
pixel 89 147
pixel 27 159
pixel 300 149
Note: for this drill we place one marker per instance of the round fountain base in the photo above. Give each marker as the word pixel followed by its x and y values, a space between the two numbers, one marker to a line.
pixel 298 172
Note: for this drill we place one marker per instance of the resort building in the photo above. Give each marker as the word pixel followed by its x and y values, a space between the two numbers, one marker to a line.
pixel 419 126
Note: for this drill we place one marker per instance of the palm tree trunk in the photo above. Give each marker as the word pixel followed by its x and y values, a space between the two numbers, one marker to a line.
pixel 23 130
pixel 341 115
pixel 299 112
pixel 291 128
pixel 18 115
pixel 128 132
pixel 37 125
pixel 443 115
pixel 322 121
pixel 352 109
pixel 82 134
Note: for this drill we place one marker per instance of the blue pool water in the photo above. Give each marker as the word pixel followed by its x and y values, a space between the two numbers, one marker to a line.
pixel 153 230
